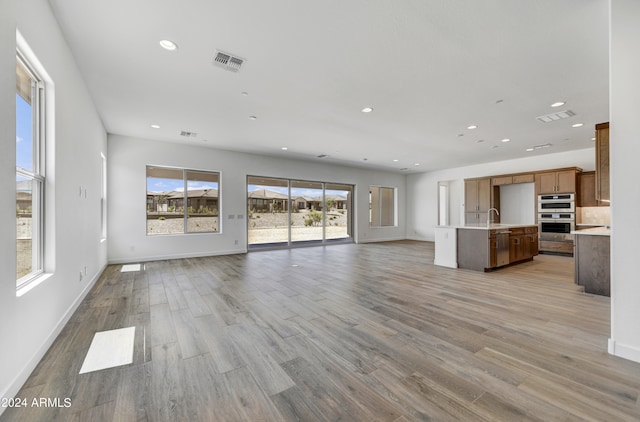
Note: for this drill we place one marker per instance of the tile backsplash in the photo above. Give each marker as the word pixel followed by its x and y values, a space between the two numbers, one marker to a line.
pixel 594 215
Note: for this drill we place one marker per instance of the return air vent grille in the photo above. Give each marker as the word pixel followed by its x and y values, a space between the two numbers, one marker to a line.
pixel 548 118
pixel 188 134
pixel 228 61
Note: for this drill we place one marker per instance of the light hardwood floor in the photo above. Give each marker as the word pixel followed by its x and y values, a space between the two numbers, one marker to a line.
pixel 370 332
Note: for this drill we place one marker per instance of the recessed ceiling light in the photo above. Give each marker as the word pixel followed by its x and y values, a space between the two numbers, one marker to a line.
pixel 395 161
pixel 529 149
pixel 245 93
pixel 367 109
pixel 495 146
pixel 506 140
pixel 472 127
pixel 577 125
pixel 499 101
pixel 479 141
pixel 155 126
pixel 284 148
pixel 168 45
pixel 253 118
pixel 558 104
pixel 416 164
pixel 460 134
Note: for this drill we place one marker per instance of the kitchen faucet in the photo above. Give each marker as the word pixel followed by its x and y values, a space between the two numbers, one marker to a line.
pixel 489 215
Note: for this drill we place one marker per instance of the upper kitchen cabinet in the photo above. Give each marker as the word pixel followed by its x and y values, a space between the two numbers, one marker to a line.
pixel 477 200
pixel 477 195
pixel 587 190
pixel 563 181
pixel 602 162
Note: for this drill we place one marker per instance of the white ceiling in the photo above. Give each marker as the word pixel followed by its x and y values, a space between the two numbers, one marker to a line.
pixel 429 68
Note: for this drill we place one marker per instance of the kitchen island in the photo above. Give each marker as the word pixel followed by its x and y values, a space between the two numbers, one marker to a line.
pixel 593 260
pixel 485 247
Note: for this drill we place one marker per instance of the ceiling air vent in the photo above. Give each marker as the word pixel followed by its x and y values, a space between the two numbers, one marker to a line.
pixel 547 118
pixel 228 61
pixel 188 134
pixel 322 156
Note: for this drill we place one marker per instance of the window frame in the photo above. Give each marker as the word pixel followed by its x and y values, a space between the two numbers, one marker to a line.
pixel 378 206
pixel 185 201
pixel 37 175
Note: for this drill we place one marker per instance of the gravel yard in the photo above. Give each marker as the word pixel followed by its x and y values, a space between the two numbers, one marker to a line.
pixel 262 228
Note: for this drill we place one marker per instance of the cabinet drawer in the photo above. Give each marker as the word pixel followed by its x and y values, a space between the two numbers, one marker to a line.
pixel 561 247
pixel 531 230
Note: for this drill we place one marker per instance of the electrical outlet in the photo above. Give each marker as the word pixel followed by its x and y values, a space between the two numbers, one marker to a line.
pixel 235 242
pixel 85 270
pixel 80 276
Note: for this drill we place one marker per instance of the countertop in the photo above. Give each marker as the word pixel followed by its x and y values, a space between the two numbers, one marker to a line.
pixel 493 226
pixel 596 231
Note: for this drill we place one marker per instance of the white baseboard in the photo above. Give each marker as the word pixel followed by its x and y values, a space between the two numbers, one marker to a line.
pixel 624 351
pixel 445 263
pixel 390 239
pixel 23 375
pixel 129 260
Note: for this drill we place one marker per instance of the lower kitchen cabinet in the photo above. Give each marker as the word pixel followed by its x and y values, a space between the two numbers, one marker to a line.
pixel 483 249
pixel 592 260
pixel 523 244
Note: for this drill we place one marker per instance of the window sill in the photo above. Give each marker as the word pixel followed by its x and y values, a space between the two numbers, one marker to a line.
pixel 26 287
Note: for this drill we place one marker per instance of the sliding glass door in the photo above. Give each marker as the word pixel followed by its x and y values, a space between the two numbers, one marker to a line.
pixel 338 199
pixel 284 213
pixel 307 219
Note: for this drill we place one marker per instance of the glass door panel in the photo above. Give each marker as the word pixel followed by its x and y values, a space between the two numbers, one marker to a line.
pixel 267 211
pixel 338 215
pixel 307 213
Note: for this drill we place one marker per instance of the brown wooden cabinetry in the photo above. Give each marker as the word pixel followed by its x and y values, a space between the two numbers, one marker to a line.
pixel 512 179
pixel 556 182
pixel 523 244
pixel 586 190
pixel 602 162
pixel 477 200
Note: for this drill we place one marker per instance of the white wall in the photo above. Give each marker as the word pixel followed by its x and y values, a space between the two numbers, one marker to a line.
pixel 127 161
pixel 625 195
pixel 517 203
pixel 30 323
pixel 422 189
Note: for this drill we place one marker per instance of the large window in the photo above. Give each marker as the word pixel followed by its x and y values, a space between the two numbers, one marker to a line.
pixel 30 174
pixel 382 206
pixel 182 201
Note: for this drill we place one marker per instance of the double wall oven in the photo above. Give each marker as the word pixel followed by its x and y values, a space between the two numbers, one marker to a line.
pixel 556 217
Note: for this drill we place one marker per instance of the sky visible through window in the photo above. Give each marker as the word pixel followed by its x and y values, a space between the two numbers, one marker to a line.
pixel 24 133
pixel 157 185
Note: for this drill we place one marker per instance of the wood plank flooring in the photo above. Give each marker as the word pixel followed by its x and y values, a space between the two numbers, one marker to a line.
pixel 370 332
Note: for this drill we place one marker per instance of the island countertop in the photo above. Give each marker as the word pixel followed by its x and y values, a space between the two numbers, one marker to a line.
pixel 596 231
pixel 493 226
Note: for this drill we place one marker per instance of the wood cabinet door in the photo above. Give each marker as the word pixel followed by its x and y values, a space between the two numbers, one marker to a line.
pixel 493 252
pixel 546 182
pixel 566 181
pixel 472 218
pixel 503 180
pixel 587 189
pixel 515 248
pixel 470 195
pixel 484 195
pixel 602 162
